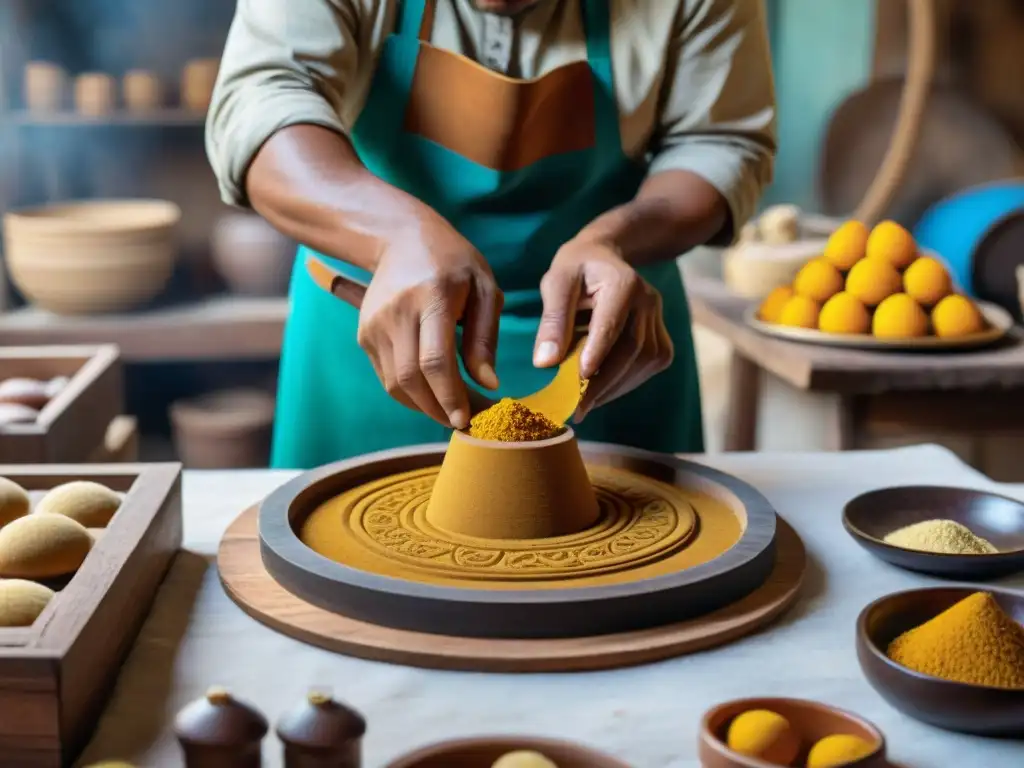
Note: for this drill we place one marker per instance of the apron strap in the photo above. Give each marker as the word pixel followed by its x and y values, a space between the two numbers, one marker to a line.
pixel 597 28
pixel 427 25
pixel 415 18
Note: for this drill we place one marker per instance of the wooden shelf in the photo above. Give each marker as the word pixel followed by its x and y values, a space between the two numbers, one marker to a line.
pixel 156 119
pixel 221 328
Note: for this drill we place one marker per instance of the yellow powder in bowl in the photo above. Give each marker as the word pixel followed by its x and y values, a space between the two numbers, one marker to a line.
pixel 973 642
pixel 946 537
pixel 509 421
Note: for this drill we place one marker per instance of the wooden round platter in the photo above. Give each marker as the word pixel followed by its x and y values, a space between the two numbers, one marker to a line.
pixel 563 607
pixel 999 324
pixel 768 567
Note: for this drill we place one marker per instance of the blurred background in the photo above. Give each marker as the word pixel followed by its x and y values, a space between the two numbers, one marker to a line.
pixel 105 100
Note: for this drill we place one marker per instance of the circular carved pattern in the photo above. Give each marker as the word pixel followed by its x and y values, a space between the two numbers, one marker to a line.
pixel 641 520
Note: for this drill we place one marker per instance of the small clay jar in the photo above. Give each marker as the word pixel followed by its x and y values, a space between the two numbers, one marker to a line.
pixel 197 81
pixel 322 733
pixel 218 731
pixel 142 91
pixel 95 94
pixel 45 85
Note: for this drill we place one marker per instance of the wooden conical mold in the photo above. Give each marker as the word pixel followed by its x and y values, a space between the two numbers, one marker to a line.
pixel 493 490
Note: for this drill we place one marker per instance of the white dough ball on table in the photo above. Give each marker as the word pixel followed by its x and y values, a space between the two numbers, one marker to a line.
pixel 523 759
pixel 780 224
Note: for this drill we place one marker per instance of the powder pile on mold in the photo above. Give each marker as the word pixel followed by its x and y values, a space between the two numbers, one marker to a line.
pixel 509 421
pixel 973 642
pixel 946 537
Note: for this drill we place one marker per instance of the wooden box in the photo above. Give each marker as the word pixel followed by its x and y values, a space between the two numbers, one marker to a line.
pixel 56 676
pixel 75 422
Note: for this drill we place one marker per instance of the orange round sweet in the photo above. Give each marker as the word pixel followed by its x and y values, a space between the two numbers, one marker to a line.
pixel 871 280
pixel 771 308
pixel 847 245
pixel 957 316
pixel 800 312
pixel 818 280
pixel 844 313
pixel 893 243
pixel 899 317
pixel 927 280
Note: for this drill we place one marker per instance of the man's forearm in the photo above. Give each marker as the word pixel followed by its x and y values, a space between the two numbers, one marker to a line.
pixel 673 212
pixel 309 183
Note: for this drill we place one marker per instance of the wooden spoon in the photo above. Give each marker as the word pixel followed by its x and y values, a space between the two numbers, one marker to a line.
pixel 558 400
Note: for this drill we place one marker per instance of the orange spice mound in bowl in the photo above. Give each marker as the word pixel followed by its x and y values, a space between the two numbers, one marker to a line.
pixel 973 642
pixel 509 421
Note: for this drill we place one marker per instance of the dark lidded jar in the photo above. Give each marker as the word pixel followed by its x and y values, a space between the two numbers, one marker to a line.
pixel 322 733
pixel 218 731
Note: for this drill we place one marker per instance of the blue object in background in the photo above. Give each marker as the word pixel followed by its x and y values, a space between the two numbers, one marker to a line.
pixel 955 227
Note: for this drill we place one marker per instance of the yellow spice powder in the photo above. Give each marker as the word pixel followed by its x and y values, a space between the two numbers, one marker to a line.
pixel 946 537
pixel 509 421
pixel 972 642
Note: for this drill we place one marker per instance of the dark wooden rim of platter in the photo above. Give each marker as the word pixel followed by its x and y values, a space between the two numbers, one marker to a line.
pixel 246 581
pixel 862 536
pixel 515 613
pixel 507 743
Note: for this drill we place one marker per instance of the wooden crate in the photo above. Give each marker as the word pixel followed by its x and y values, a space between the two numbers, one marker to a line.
pixel 56 676
pixel 76 421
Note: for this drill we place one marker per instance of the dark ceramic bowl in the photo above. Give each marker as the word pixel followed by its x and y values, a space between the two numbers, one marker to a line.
pixel 481 752
pixel 869 518
pixel 952 706
pixel 811 720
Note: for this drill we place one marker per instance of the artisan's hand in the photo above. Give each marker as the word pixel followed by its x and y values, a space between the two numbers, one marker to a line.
pixel 425 282
pixel 627 339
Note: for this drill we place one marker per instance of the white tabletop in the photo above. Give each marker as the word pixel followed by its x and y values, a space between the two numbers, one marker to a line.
pixel 648 716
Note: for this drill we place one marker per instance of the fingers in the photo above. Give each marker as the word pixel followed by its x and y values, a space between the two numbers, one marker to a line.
pixel 480 331
pixel 560 291
pixel 610 314
pixel 621 373
pixel 440 367
pixel 618 366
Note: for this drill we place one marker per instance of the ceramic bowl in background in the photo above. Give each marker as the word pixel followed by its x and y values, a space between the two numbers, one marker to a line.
pixel 228 429
pixel 811 720
pixel 197 81
pixel 45 85
pixel 753 269
pixel 92 257
pixel 483 751
pixel 872 516
pixel 95 94
pixel 251 256
pixel 952 706
pixel 141 90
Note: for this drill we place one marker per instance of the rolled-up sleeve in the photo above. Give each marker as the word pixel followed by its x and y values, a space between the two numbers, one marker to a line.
pixel 286 62
pixel 718 118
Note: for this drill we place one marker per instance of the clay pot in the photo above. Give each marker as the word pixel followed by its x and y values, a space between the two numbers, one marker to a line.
pixel 142 91
pixel 494 490
pixel 197 81
pixel 92 257
pixel 45 85
pixel 95 94
pixel 230 429
pixel 253 258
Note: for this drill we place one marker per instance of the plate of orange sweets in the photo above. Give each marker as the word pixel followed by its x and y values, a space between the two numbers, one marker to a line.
pixel 874 288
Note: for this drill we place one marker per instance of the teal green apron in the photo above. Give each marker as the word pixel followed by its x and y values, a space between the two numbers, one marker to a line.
pixel 330 403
